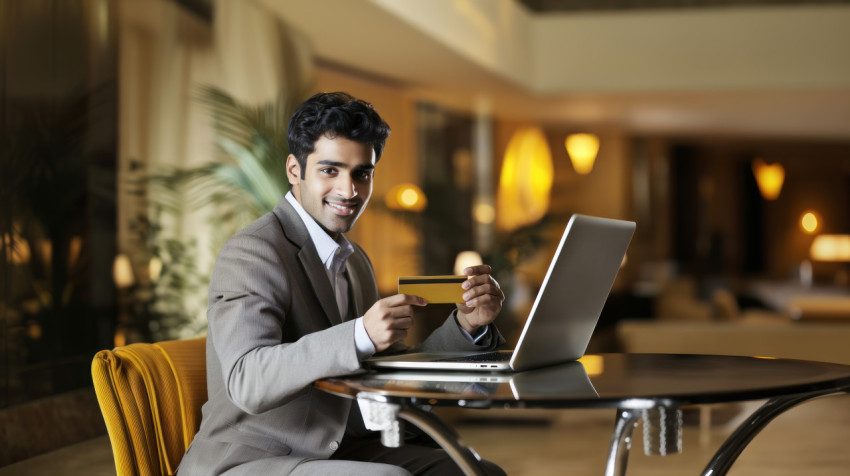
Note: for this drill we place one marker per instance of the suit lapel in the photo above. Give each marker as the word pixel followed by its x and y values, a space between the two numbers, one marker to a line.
pixel 296 232
pixel 356 288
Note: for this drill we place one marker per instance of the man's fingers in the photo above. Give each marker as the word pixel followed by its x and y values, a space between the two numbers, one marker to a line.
pixel 400 312
pixel 477 270
pixel 484 290
pixel 402 299
pixel 480 280
pixel 397 312
pixel 402 323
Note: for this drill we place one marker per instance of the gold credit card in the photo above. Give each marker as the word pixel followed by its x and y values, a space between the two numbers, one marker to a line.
pixel 435 289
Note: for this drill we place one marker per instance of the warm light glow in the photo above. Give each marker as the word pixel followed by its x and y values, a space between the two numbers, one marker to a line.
pixel 526 179
pixel 122 271
pixel 809 222
pixel 120 339
pixel 74 250
pixel 593 364
pixel 155 269
pixel 831 248
pixel 466 259
pixel 484 213
pixel 769 178
pixel 17 248
pixel 582 149
pixel 46 250
pixel 34 330
pixel 406 197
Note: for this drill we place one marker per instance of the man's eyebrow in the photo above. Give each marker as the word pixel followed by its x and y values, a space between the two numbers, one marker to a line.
pixel 331 162
pixel 343 166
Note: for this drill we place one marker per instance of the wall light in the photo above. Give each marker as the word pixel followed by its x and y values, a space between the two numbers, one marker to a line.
pixel 769 178
pixel 406 197
pixel 809 222
pixel 582 149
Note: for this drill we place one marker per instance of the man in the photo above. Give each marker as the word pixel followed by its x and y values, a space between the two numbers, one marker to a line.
pixel 291 300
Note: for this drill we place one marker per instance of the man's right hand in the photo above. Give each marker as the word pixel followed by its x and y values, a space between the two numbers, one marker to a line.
pixel 389 319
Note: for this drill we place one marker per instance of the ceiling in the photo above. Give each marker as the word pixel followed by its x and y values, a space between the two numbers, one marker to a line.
pixel 765 87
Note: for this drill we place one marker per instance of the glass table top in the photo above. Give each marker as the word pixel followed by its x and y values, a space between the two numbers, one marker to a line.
pixel 605 380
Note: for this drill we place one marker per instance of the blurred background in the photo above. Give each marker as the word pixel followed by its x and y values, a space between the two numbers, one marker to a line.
pixel 138 135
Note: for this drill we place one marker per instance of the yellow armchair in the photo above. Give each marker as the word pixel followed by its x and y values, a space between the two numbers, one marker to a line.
pixel 151 397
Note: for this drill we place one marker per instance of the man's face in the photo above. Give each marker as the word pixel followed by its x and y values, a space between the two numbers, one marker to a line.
pixel 337 182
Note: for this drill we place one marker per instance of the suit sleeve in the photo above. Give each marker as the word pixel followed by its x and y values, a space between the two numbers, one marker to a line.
pixel 250 301
pixel 449 337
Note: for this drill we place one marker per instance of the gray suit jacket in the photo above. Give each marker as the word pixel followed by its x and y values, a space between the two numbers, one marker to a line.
pixel 274 328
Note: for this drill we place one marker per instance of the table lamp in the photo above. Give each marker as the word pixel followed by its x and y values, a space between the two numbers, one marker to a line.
pixel 832 248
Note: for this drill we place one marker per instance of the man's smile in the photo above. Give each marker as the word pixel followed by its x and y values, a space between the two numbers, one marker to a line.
pixel 342 208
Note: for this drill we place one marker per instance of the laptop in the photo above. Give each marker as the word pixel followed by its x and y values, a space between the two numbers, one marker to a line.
pixel 565 311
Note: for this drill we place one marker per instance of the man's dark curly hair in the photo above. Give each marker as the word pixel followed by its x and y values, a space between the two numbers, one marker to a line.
pixel 332 115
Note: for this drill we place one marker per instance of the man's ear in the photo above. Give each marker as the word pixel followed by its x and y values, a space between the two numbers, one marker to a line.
pixel 293 169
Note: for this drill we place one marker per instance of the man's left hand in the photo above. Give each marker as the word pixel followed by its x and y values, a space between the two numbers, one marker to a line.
pixel 483 298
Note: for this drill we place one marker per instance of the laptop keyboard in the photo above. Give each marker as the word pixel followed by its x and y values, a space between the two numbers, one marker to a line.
pixel 482 357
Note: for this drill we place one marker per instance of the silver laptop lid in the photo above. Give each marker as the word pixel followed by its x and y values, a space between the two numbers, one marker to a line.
pixel 574 291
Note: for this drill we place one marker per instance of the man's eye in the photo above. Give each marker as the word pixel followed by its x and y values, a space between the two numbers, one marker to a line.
pixel 328 170
pixel 363 176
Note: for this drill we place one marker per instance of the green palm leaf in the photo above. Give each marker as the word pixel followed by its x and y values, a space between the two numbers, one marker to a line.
pixel 252 172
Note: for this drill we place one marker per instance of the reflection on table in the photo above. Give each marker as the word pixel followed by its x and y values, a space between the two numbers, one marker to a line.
pixel 605 380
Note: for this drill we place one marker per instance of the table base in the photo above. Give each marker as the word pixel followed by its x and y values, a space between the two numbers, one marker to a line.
pixel 382 415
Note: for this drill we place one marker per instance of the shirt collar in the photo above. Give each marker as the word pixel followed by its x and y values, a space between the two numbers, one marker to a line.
pixel 330 250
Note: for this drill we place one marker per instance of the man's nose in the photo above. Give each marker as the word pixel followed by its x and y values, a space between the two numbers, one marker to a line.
pixel 345 187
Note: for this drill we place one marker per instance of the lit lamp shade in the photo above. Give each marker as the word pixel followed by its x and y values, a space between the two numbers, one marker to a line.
pixel 582 149
pixel 769 178
pixel 525 181
pixel 831 248
pixel 406 197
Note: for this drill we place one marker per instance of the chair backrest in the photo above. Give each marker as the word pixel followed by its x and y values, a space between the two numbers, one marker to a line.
pixel 151 397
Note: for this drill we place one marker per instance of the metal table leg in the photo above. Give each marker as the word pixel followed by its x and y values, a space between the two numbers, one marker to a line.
pixel 383 416
pixel 621 441
pixel 662 432
pixel 735 444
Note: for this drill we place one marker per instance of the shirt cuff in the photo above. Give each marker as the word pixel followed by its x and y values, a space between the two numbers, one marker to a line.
pixel 364 345
pixel 479 333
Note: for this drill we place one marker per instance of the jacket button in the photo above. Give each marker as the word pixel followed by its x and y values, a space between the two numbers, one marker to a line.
pixel 334 445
